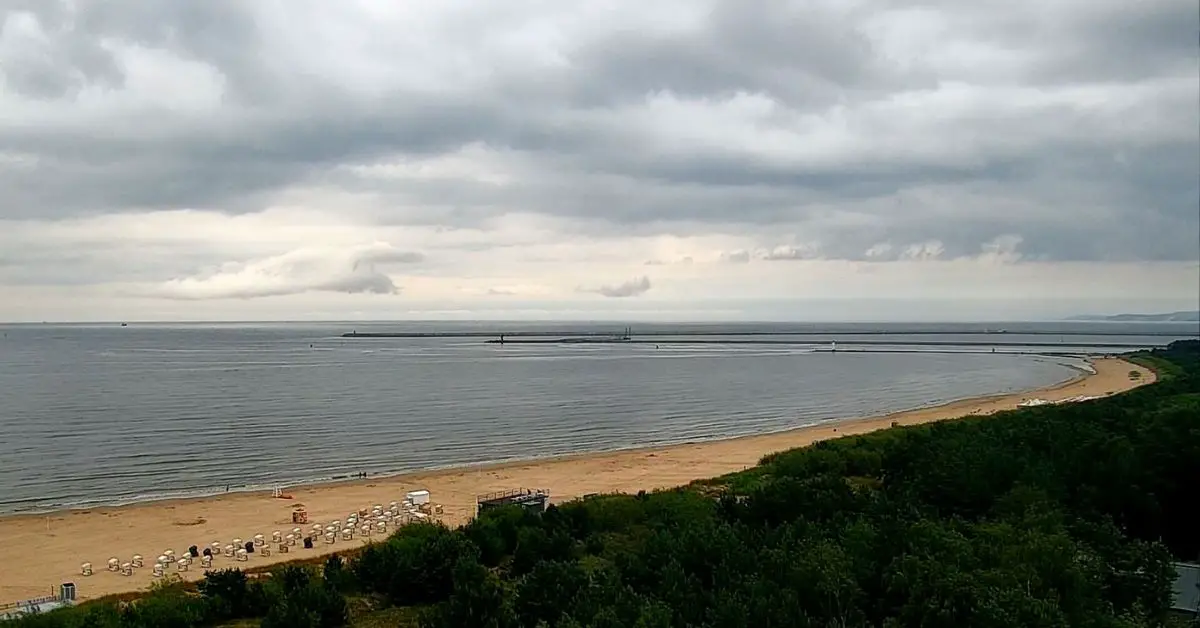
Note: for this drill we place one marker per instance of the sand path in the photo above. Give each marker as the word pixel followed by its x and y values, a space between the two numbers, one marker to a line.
pixel 42 551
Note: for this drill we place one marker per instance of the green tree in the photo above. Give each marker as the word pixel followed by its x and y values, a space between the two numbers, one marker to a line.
pixel 548 590
pixel 414 566
pixel 478 599
pixel 231 595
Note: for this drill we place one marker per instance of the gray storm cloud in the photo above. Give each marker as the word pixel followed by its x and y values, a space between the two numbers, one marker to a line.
pixel 880 131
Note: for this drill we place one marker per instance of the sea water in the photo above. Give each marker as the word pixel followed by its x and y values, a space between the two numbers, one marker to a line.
pixel 104 414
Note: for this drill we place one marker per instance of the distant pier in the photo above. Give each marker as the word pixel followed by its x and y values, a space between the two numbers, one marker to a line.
pixel 875 341
pixel 847 345
pixel 651 333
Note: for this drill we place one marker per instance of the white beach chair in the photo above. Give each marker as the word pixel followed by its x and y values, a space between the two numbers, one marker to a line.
pixel 238 543
pixel 206 561
pixel 114 564
pixel 126 569
pixel 330 538
pixel 283 548
pixel 159 570
pixel 347 534
pixel 265 550
pixel 182 565
pixel 230 551
pixel 85 569
pixel 259 540
pixel 276 537
pixel 137 561
pixel 242 555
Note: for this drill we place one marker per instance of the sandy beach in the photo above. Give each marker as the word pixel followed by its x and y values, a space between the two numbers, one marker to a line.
pixel 45 550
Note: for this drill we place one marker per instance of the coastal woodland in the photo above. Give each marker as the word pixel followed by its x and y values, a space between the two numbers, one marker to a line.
pixel 1045 517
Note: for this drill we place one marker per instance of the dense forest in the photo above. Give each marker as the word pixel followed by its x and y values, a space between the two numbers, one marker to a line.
pixel 1051 516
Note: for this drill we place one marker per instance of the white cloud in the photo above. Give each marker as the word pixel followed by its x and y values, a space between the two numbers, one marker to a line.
pixel 880 250
pixel 923 251
pixel 354 270
pixel 792 252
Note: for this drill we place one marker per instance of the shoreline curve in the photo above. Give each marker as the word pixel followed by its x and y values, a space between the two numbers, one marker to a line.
pixel 46 549
pixel 1078 363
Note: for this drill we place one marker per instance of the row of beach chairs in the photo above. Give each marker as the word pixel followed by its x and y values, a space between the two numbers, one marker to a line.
pixel 361 524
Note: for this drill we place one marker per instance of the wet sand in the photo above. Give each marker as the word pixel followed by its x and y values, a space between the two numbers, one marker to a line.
pixel 42 551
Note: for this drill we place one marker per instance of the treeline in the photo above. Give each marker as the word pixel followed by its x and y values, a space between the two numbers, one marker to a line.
pixel 1051 516
pixel 294 596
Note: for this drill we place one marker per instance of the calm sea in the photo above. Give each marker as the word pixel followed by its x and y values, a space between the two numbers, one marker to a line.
pixel 105 414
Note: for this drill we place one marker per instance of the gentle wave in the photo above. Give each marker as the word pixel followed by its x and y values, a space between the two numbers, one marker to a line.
pixel 99 417
pixel 209 491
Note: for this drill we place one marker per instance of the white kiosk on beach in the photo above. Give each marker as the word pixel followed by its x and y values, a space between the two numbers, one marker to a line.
pixel 417 498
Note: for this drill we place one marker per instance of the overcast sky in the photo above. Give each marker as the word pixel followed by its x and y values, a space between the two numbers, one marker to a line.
pixel 689 160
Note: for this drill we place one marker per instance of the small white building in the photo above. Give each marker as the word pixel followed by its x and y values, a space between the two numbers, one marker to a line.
pixel 1185 593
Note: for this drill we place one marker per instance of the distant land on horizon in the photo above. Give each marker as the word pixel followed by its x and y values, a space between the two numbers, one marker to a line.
pixel 1172 317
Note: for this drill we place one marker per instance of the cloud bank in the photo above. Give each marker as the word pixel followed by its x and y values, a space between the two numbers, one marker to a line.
pixel 245 155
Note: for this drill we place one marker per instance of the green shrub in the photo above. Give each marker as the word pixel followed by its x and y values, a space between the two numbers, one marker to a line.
pixel 415 565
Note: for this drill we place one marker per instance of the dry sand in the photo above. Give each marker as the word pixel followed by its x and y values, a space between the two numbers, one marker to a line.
pixel 42 551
